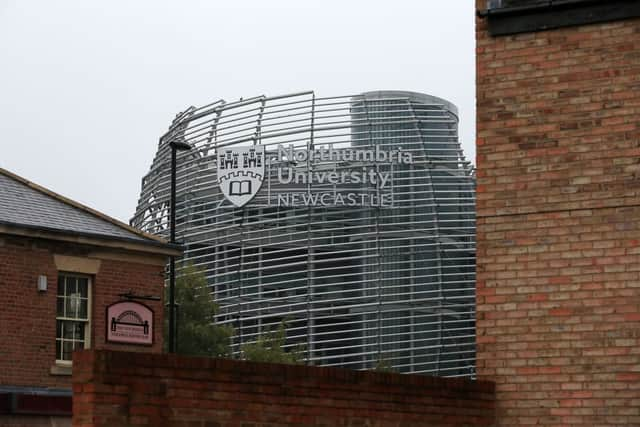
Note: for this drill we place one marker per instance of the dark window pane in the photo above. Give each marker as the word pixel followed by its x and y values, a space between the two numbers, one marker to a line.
pixel 60 285
pixel 67 348
pixel 83 286
pixel 71 285
pixel 67 330
pixel 70 307
pixel 72 302
pixel 60 306
pixel 82 313
pixel 78 330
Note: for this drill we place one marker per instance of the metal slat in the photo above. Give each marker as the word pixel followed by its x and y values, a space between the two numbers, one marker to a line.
pixel 359 284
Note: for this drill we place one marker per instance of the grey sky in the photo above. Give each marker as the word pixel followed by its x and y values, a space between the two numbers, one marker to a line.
pixel 87 87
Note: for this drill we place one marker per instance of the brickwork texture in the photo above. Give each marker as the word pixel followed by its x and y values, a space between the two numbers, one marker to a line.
pixel 558 199
pixel 28 317
pixel 126 389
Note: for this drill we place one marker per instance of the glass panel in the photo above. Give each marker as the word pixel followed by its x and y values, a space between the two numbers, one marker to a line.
pixel 67 330
pixel 83 286
pixel 60 306
pixel 60 285
pixel 71 285
pixel 72 302
pixel 82 312
pixel 70 307
pixel 78 331
pixel 67 348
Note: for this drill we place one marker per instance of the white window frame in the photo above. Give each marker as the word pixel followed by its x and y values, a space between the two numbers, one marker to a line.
pixel 87 322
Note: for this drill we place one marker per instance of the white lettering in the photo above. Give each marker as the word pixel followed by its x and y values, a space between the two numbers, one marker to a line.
pixel 320 177
pixel 285 179
pixel 372 176
pixel 382 179
pixel 286 154
pixel 302 155
pixel 310 199
pixel 283 199
pixel 301 178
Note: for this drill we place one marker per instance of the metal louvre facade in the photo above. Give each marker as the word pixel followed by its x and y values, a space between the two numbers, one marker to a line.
pixel 387 278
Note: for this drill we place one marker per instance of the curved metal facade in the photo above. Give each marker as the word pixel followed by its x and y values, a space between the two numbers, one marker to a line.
pixel 360 284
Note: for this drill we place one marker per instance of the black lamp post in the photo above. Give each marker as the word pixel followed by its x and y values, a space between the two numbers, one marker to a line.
pixel 175 146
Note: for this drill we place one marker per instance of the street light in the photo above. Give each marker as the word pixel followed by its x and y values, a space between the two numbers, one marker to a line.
pixel 175 146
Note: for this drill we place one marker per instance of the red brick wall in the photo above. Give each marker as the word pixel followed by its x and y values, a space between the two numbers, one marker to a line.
pixel 27 317
pixel 125 389
pixel 117 277
pixel 558 258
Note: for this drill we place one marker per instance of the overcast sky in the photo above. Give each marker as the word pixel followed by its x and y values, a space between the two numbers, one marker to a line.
pixel 87 87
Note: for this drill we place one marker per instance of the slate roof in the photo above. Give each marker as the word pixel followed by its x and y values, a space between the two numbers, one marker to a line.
pixel 25 204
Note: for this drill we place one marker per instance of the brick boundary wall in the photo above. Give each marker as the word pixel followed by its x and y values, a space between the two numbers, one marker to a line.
pixel 558 223
pixel 131 389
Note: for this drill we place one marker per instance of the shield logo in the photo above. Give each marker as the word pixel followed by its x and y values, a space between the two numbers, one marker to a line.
pixel 240 172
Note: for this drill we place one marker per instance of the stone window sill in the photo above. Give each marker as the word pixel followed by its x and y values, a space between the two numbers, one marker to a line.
pixel 63 370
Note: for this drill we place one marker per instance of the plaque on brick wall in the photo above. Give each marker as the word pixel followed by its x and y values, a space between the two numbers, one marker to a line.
pixel 129 322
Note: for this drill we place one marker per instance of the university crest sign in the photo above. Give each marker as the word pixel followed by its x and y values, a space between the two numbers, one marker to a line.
pixel 240 173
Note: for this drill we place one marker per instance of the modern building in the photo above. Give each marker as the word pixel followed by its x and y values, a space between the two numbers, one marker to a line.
pixel 350 217
pixel 65 270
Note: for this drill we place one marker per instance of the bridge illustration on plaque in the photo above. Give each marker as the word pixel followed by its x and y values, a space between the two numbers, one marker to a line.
pixel 130 318
pixel 129 322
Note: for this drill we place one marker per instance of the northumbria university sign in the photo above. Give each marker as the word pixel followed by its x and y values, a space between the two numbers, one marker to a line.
pixel 241 172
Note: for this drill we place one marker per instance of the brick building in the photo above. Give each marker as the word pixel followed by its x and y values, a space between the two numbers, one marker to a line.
pixel 558 199
pixel 61 265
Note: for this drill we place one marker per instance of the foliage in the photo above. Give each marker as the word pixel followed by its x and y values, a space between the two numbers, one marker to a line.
pixel 383 365
pixel 269 347
pixel 195 332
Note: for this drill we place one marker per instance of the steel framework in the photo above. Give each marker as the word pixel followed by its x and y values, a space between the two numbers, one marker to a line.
pixel 359 285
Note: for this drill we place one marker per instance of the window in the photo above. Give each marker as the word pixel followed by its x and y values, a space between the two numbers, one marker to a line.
pixel 73 311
